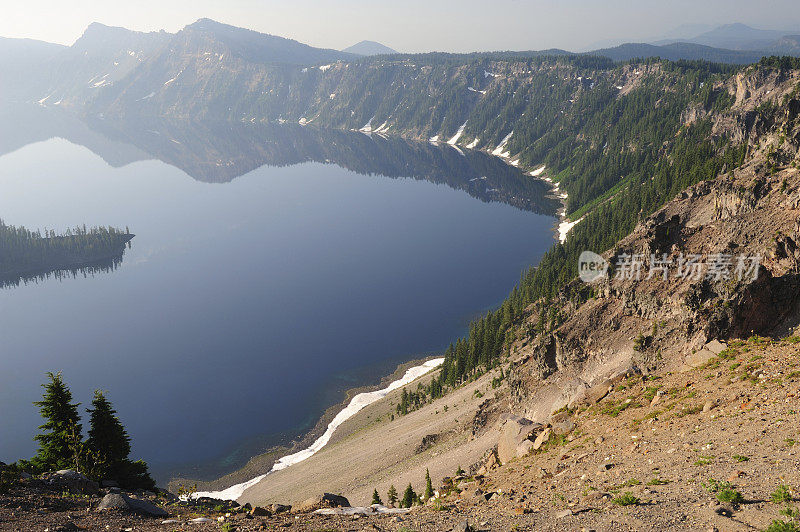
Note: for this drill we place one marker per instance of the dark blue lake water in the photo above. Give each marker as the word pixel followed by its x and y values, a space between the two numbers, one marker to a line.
pixel 252 294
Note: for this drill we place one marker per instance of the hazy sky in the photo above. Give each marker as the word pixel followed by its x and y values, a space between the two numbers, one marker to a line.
pixel 406 25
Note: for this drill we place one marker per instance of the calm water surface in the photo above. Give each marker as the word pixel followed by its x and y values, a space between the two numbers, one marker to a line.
pixel 245 307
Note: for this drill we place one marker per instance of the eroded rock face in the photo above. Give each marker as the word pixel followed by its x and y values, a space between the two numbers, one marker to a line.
pixel 663 323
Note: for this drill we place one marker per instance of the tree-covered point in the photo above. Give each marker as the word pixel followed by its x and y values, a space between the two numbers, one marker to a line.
pixel 25 253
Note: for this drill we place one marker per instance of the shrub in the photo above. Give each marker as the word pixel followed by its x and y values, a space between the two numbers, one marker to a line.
pixel 783 526
pixel 626 499
pixel 729 495
pixel 782 494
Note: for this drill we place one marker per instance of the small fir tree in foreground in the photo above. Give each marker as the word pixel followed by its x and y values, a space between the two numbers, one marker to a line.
pixel 62 426
pixel 376 499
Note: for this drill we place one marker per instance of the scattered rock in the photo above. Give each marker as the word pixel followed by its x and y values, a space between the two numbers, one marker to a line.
pixel 281 508
pixel 72 481
pixel 462 526
pixel 735 475
pixel 563 513
pixel 708 406
pixel 606 466
pixel 725 510
pixel 258 511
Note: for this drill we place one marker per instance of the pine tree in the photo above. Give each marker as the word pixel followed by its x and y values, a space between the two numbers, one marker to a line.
pixel 428 485
pixel 107 436
pixel 391 497
pixel 62 425
pixel 109 444
pixel 376 499
pixel 409 497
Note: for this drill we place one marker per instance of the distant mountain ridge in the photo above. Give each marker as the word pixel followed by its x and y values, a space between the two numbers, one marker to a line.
pixel 213 68
pixel 369 48
pixel 261 47
pixel 679 50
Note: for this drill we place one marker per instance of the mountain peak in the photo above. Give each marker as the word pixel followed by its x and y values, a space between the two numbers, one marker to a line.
pixel 369 48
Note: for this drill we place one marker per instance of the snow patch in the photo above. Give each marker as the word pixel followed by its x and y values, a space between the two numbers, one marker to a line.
pixel 538 171
pixel 458 134
pixel 383 127
pixel 147 97
pixel 474 143
pixel 500 149
pixel 486 74
pixel 367 128
pixel 41 102
pixel 473 89
pixel 565 227
pixel 357 403
pixel 434 138
pixel 325 67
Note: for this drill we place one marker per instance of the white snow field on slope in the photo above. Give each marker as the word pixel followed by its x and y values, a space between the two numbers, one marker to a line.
pixel 458 134
pixel 500 147
pixel 358 402
pixel 565 227
pixel 538 171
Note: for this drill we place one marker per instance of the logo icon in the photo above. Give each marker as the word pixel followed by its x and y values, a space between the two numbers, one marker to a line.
pixel 591 267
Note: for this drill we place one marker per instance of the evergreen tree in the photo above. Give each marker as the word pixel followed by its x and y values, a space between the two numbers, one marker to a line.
pixel 391 497
pixel 107 436
pixel 62 426
pixel 376 499
pixel 428 485
pixel 109 444
pixel 409 497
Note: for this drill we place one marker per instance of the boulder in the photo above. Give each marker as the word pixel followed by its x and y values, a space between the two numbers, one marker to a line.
pixel 524 448
pixel 591 395
pixel 72 481
pixel 280 508
pixel 564 426
pixel 515 430
pixel 121 502
pixel 542 438
pixel 258 511
pixel 326 500
pixel 114 501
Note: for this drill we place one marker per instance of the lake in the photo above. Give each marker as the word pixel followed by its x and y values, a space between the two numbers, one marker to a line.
pixel 273 268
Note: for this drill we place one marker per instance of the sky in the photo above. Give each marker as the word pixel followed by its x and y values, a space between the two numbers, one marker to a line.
pixel 406 25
